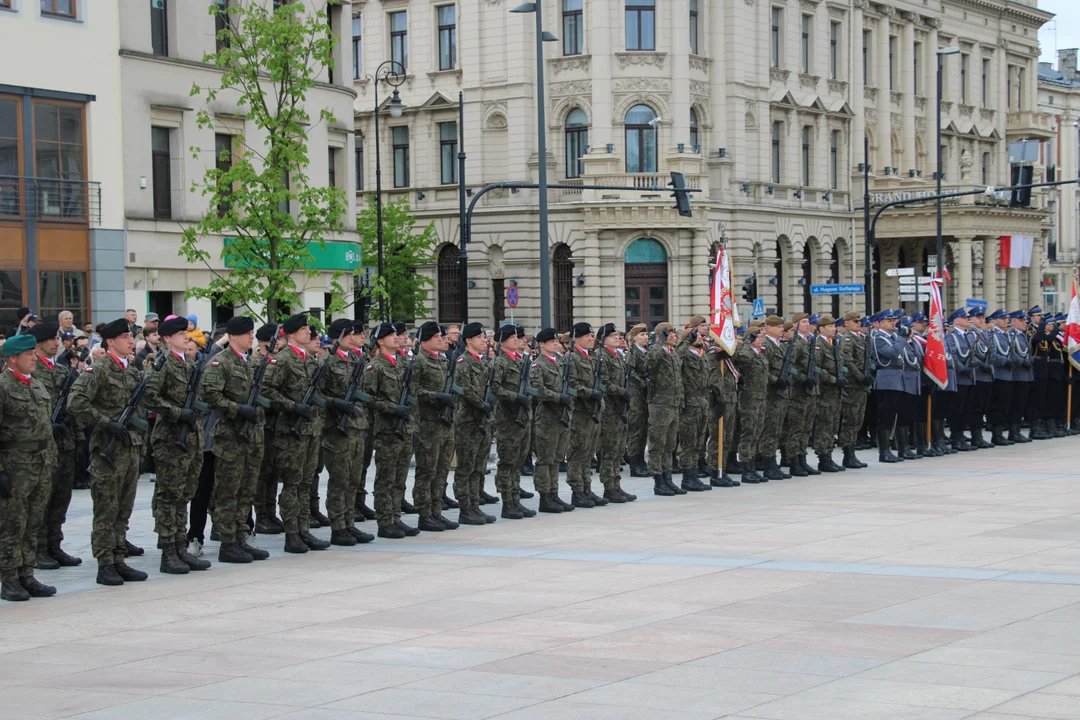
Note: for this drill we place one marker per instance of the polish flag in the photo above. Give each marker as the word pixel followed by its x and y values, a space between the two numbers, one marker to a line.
pixel 934 363
pixel 1016 251
pixel 1072 328
pixel 722 303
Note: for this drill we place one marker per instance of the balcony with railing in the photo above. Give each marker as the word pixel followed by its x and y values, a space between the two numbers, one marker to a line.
pixel 47 200
pixel 1028 124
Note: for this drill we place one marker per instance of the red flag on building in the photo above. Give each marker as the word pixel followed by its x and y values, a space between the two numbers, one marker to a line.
pixel 934 364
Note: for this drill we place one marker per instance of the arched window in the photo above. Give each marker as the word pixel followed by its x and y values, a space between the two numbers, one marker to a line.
pixel 640 139
pixel 834 272
pixel 449 285
pixel 562 275
pixel 577 141
pixel 695 141
pixel 807 260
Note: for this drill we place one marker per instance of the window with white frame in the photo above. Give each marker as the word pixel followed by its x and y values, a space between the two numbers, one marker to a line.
pixel 399 38
pixel 447 37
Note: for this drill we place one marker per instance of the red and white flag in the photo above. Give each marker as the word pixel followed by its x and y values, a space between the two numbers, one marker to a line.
pixel 722 312
pixel 934 364
pixel 1072 328
pixel 1016 251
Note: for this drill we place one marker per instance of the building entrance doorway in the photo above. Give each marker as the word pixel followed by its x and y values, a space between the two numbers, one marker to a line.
pixel 646 283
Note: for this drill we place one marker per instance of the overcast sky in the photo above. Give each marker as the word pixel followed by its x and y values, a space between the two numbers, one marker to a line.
pixel 1061 32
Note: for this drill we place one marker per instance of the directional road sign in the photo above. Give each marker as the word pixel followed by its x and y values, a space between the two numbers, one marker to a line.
pixel 906 280
pixel 915 298
pixel 976 303
pixel 897 272
pixel 851 289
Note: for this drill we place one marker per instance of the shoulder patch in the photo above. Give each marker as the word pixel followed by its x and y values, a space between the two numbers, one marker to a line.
pixel 369 367
pixel 214 363
pixel 89 369
pixel 534 365
pixel 273 361
pixel 461 359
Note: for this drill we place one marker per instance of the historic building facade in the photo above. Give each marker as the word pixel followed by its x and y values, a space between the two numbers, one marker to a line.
pixel 764 105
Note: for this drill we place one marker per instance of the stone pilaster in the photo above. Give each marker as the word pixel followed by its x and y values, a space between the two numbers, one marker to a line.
pixel 599 26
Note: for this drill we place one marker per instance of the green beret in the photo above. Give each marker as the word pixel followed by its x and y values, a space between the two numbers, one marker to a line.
pixel 19 344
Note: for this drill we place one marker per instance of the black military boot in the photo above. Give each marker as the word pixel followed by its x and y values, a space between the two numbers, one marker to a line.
pixel 671 484
pixel 548 504
pixel 567 507
pixel 362 506
pixel 977 439
pixel 1017 436
pixel 256 553
pixel 581 500
pixel 638 468
pixel 750 476
pixel 525 512
pixel 469 515
pixel 528 468
pixel 407 508
pixel 851 461
pixel 449 503
pixel 409 530
pixel 391 532
pixel 427 523
pixel 884 453
pixel 231 552
pixel 65 560
pixel 660 487
pixel 960 442
pixel 265 526
pixel 796 468
pixel 487 499
pixel 293 544
pixel 106 575
pixel 132 550
pixel 597 500
pixel 528 495
pixel 13 591
pixel 313 542
pixel 316 515
pixel 509 509
pixel 363 537
pixel 903 446
pixel 180 543
pixel 1037 431
pixel 826 464
pixel 808 468
pixel 446 522
pixel 130 574
pixel 170 563
pixel 772 470
pixel 689 480
pixel 44 561
pixel 628 496
pixel 344 538
pixel 36 588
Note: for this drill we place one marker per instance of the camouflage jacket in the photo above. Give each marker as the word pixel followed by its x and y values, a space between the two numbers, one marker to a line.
pixel 166 393
pixel 100 395
pixel 429 377
pixel 830 372
pixel 226 384
pixel 613 375
pixel 665 376
pixel 695 377
pixel 285 384
pixel 471 376
pixel 582 376
pixel 545 376
pixel 25 420
pixel 383 379
pixel 334 385
pixel 53 378
pixel 505 387
pixel 753 369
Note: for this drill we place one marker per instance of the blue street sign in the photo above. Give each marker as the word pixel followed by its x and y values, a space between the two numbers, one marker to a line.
pixel 853 289
pixel 759 308
pixel 976 303
pixel 512 296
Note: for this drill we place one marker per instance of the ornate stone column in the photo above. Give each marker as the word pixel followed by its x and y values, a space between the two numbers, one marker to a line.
pixel 907 104
pixel 884 97
pixel 930 91
pixel 679 53
pixel 598 26
pixel 1012 289
pixel 990 268
pixel 964 275
pixel 856 92
pixel 1035 273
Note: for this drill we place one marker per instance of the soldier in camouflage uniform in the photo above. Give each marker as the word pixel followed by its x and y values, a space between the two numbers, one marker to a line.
pixel 296 433
pixel 853 352
pixel 833 385
pixel 512 418
pixel 434 427
pixel 693 430
pixel 585 422
pixel 665 395
pixel 270 340
pixel 473 443
pixel 776 398
pixel 614 416
pixel 178 465
pixel 753 366
pixel 342 438
pixel 27 460
pixel 98 398
pixel 53 375
pixel 801 398
pixel 552 420
pixel 239 441
pixel 723 403
pixel 637 416
pixel 391 436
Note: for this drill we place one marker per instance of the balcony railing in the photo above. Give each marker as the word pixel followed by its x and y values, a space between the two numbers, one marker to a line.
pixel 48 200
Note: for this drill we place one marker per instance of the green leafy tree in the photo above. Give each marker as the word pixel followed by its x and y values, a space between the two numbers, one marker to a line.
pixel 264 203
pixel 404 290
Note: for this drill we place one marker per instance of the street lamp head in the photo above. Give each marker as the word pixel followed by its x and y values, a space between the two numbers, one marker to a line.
pixel 525 8
pixel 948 51
pixel 549 37
pixel 396 106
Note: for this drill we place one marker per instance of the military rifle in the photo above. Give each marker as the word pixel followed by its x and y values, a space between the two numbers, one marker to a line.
pixel 522 415
pixel 782 382
pixel 567 392
pixel 841 370
pixel 626 386
pixel 812 370
pixel 452 388
pixel 60 408
pixel 128 417
pixel 353 393
pixel 191 401
pixel 406 389
pixel 598 384
pixel 256 383
pixel 489 401
pixel 310 396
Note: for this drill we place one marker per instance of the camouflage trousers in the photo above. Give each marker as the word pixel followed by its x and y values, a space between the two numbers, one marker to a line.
pixel 473 448
pixel 21 514
pixel 112 490
pixel 344 457
pixel 828 422
pixel 692 435
pixel 512 447
pixel 637 426
pixel 613 433
pixel 551 439
pixel 177 479
pixel 58 499
pixel 581 448
pixel 712 449
pixel 266 486
pixel 297 456
pixel 434 450
pixel 852 410
pixel 392 455
pixel 802 410
pixel 663 434
pixel 776 408
pixel 751 417
pixel 237 465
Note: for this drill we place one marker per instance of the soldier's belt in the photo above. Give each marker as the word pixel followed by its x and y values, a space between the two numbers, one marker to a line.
pixel 28 445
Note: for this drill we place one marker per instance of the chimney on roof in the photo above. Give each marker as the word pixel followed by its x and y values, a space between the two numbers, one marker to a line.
pixel 1067 63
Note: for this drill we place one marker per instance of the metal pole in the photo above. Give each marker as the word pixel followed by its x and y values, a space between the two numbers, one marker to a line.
pixel 541 148
pixel 463 229
pixel 940 251
pixel 868 239
pixel 378 198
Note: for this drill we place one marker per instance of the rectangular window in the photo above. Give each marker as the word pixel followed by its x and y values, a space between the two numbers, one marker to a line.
pixel 223 150
pixel 834 50
pixel 331 10
pixel 694 27
pixel 572 27
pixel 774 37
pixel 640 24
pixel 577 139
pixel 11 296
pixel 1021 75
pixel 892 62
pixel 5 4
pixel 806 131
pixel 963 78
pixel 986 168
pixel 331 167
pixel 64 290
pixel 447 37
pixel 357 48
pixel 867 37
pixel 399 38
pixel 161 160
pixel 359 164
pixel 448 152
pixel 159 27
pixel 807 31
pixel 63 8
pixel 1009 87
pixel 59 155
pixel 985 83
pixel 221 25
pixel 834 159
pixel 284 206
pixel 915 67
pixel 400 137
pixel 777 127
pixel 10 195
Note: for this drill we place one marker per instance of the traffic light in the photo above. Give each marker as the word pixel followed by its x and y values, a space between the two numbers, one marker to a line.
pixel 682 197
pixel 1021 175
pixel 750 289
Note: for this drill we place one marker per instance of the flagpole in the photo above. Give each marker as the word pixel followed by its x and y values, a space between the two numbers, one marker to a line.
pixel 929 418
pixel 1068 401
pixel 720 431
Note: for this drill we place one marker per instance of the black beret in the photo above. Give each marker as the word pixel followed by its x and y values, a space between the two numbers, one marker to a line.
pixel 382 330
pixel 118 327
pixel 293 324
pixel 581 329
pixel 267 332
pixel 400 328
pixel 239 325
pixel 428 330
pixel 520 331
pixel 358 327
pixel 471 330
pixel 443 331
pixel 171 327
pixel 46 331
pixel 546 334
pixel 505 333
pixel 314 330
pixel 605 331
pixel 341 326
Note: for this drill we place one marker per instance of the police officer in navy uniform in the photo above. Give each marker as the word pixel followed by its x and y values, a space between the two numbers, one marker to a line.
pixel 886 349
pixel 1040 329
pixel 960 342
pixel 1001 361
pixel 1023 375
pixel 980 394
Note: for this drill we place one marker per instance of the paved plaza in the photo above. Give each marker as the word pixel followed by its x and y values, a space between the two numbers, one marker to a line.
pixel 933 590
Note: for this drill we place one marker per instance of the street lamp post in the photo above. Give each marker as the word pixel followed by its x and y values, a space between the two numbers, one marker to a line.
pixel 938 174
pixel 393 74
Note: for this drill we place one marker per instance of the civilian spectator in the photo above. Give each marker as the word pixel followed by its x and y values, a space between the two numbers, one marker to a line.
pixel 67 323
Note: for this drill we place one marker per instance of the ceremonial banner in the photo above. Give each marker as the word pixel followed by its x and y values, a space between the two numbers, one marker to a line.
pixel 722 304
pixel 1072 327
pixel 934 364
